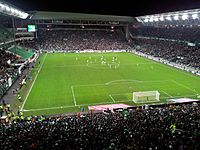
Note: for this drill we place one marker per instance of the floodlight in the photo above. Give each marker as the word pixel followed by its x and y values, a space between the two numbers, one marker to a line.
pixel 1 5
pixel 176 17
pixel 151 19
pixel 169 18
pixel 194 16
pixel 24 16
pixel 7 8
pixel 146 20
pixel 185 16
pixel 155 19
pixel 12 10
pixel 161 18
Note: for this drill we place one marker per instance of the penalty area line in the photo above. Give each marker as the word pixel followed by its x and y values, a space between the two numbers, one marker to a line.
pixel 112 98
pixel 74 98
pixel 33 83
pixel 62 107
pixel 184 86
pixel 167 93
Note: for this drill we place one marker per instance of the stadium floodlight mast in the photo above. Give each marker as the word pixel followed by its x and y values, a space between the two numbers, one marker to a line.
pixel 156 19
pixel 195 16
pixel 176 17
pixel 184 16
pixel 10 10
pixel 161 18
pixel 151 19
pixel 146 20
pixel 169 18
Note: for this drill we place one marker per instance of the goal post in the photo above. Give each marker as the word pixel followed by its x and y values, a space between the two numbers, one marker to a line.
pixel 146 96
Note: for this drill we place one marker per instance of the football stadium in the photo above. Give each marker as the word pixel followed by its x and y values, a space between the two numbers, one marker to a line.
pixel 92 81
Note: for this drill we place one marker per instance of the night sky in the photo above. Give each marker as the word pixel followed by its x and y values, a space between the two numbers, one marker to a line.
pixel 107 7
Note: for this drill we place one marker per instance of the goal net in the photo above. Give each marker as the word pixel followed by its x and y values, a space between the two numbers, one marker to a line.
pixel 146 96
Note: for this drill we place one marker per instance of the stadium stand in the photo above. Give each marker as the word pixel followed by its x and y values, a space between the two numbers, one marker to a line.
pixel 24 53
pixel 80 40
pixel 160 127
pixel 162 42
pixel 175 52
pixel 5 35
pixel 6 71
pixel 173 127
pixel 190 34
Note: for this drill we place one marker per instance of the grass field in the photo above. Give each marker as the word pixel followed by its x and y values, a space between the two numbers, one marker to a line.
pixel 65 82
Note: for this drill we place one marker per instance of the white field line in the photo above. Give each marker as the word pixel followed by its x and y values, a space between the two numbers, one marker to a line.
pixel 179 96
pixel 166 93
pixel 112 98
pixel 83 85
pixel 173 68
pixel 38 109
pixel 122 81
pixel 63 66
pixel 91 104
pixel 185 73
pixel 74 98
pixel 184 86
pixel 169 96
pixel 33 83
pixel 60 107
pixel 121 93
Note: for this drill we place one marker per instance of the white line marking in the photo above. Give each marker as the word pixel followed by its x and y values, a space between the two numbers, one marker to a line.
pixel 121 93
pixel 112 98
pixel 179 96
pixel 87 85
pixel 90 104
pixel 75 65
pixel 183 72
pixel 38 109
pixel 171 67
pixel 167 93
pixel 122 81
pixel 184 86
pixel 33 83
pixel 72 88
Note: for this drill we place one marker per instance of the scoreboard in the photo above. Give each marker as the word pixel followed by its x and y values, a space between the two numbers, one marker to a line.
pixel 31 28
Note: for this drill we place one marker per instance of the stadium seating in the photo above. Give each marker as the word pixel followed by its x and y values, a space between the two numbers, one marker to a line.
pixel 6 71
pixel 5 35
pixel 22 52
pixel 169 127
pixel 182 33
pixel 172 51
pixel 80 40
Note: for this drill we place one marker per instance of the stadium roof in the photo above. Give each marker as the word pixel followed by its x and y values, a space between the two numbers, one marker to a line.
pixel 46 15
pixel 171 16
pixel 11 10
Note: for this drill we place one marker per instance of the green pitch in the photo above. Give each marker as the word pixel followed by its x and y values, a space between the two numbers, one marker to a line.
pixel 66 82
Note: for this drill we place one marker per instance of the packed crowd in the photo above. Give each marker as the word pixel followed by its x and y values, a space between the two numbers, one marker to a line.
pixel 177 52
pixel 169 50
pixel 6 71
pixel 191 34
pixel 80 40
pixel 173 127
pixel 5 35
